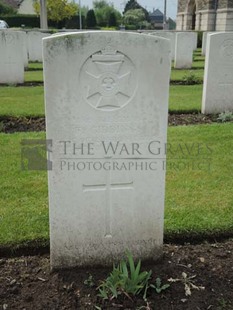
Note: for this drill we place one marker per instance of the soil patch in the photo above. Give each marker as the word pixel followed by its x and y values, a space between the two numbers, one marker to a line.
pixel 32 83
pixel 26 282
pixel 22 124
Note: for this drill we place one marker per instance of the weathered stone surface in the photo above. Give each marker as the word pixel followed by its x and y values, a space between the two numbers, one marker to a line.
pixel 106 113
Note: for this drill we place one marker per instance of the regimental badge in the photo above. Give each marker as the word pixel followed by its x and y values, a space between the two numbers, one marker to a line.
pixel 108 79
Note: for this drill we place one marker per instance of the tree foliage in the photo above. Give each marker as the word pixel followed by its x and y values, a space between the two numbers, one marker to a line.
pixel 91 19
pixel 112 22
pixel 6 9
pixel 58 10
pixel 103 11
pixel 134 17
pixel 134 5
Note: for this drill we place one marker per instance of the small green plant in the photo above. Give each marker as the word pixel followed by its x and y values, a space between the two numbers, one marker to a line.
pixel 226 116
pixel 158 287
pixel 190 79
pixel 89 281
pixel 224 304
pixel 126 279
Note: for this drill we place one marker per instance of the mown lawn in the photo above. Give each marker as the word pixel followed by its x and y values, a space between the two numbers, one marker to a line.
pixel 186 98
pixel 198 190
pixel 22 101
pixel 29 101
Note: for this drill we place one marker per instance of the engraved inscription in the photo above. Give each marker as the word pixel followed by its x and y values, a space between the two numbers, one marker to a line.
pixel 226 91
pixel 108 79
pixel 227 49
pixel 225 85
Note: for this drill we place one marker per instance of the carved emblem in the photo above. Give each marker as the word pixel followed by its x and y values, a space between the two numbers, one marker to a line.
pixel 108 79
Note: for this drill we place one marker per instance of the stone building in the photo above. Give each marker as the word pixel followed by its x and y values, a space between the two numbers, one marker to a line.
pixel 205 15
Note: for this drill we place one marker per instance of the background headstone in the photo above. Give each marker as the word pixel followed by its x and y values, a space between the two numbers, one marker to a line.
pixel 167 35
pixel 183 50
pixel 106 87
pixel 218 78
pixel 204 40
pixel 194 37
pixel 34 39
pixel 25 49
pixel 11 57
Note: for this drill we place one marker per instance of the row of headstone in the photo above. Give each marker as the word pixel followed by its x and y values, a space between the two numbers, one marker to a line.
pixel 182 46
pixel 218 76
pixel 181 49
pixel 17 48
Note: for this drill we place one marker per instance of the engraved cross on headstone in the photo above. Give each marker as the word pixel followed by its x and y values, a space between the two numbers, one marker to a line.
pixel 108 187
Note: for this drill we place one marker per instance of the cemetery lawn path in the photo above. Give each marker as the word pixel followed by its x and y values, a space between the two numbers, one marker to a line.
pixel 27 283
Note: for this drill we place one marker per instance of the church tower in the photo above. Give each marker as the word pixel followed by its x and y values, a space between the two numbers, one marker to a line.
pixel 205 15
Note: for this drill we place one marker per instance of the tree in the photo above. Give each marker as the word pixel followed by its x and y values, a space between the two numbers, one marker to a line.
pixel 134 17
pixel 102 12
pixel 58 10
pixel 84 10
pixel 134 5
pixel 6 9
pixel 112 21
pixel 91 19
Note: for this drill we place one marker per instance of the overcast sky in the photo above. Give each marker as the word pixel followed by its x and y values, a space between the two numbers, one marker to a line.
pixel 148 4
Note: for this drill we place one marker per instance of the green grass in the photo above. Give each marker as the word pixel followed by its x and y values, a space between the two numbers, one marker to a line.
pixel 199 65
pixel 185 98
pixel 35 66
pixel 33 76
pixel 21 101
pixel 199 58
pixel 197 200
pixel 29 101
pixel 200 200
pixel 23 195
pixel 179 74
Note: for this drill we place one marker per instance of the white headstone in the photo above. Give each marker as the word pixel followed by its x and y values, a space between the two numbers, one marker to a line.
pixel 103 90
pixel 167 35
pixel 218 78
pixel 203 49
pixel 35 45
pixel 204 40
pixel 25 49
pixel 194 38
pixel 183 50
pixel 12 57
